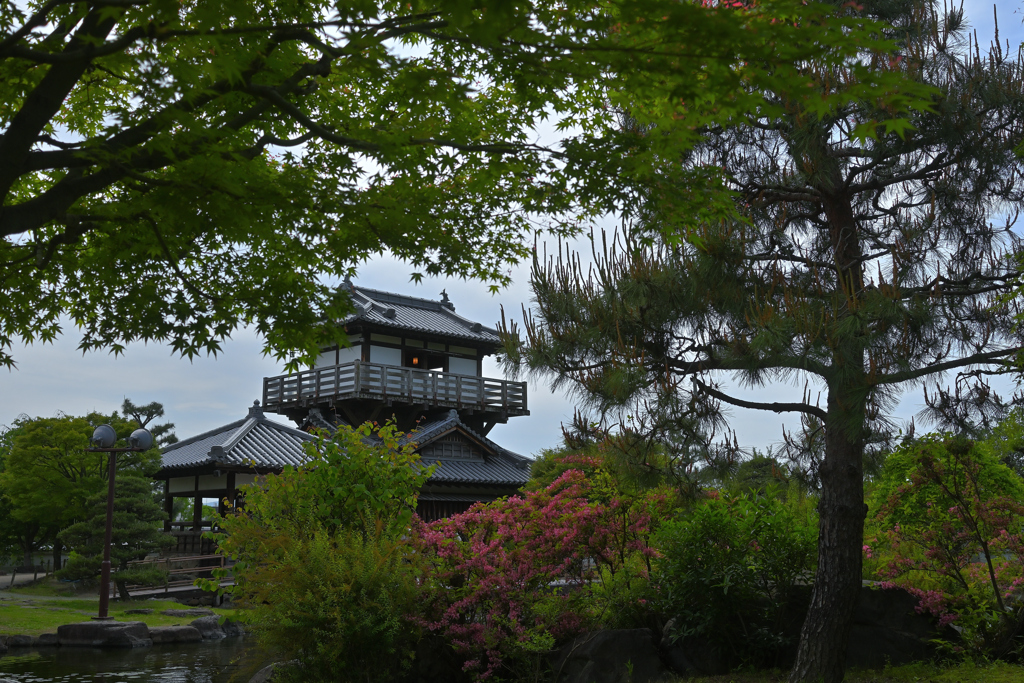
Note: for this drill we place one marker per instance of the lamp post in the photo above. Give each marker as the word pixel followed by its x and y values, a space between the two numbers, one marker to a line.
pixel 103 439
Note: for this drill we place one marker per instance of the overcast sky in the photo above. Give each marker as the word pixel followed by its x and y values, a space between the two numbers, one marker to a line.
pixel 209 392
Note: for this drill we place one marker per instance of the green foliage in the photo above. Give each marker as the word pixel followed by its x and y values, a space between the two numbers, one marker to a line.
pixel 202 166
pixel 1006 441
pixel 863 239
pixel 949 528
pixel 338 601
pixel 136 532
pixel 728 574
pixel 323 562
pixel 163 434
pixel 47 476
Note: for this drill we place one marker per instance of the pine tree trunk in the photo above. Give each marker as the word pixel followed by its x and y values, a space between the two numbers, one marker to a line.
pixel 57 548
pixel 821 656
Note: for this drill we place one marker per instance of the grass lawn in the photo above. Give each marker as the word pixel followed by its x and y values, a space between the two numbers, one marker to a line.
pixel 912 673
pixel 33 615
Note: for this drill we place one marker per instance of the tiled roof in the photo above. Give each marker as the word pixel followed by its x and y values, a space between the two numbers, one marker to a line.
pixel 261 443
pixel 412 313
pixel 500 468
pixel 252 442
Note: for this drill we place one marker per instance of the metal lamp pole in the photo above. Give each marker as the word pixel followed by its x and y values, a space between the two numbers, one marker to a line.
pixel 104 438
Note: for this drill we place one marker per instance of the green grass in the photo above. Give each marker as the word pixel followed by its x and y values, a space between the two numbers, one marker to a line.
pixel 28 616
pixel 967 672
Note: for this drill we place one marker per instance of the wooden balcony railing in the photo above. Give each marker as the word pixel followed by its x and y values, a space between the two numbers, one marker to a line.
pixel 393 383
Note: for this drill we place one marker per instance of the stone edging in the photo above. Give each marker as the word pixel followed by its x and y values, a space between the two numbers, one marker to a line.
pixel 127 634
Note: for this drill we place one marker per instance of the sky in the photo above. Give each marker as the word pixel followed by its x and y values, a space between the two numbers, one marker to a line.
pixel 208 392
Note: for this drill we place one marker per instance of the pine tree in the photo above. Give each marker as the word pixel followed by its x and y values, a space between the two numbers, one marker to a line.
pixel 860 261
pixel 137 531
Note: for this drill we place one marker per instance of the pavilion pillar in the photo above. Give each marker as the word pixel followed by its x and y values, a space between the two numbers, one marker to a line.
pixel 232 491
pixel 168 504
pixel 197 513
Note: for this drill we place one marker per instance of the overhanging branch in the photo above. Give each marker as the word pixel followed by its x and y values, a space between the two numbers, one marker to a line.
pixel 756 405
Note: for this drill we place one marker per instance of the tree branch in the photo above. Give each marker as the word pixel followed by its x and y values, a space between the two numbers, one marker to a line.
pixel 755 405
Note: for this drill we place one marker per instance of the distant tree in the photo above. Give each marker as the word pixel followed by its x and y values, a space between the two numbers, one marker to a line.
pixel 860 264
pixel 163 434
pixel 137 531
pixel 48 475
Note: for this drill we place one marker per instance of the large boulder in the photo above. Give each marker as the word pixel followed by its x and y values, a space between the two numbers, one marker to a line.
pixel 266 674
pixel 175 634
pixel 209 627
pixel 887 629
pixel 19 641
pixel 212 629
pixel 614 656
pixel 691 656
pixel 3 645
pixel 104 634
pixel 46 640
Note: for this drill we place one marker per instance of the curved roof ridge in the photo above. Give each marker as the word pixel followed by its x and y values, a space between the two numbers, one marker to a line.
pixel 205 435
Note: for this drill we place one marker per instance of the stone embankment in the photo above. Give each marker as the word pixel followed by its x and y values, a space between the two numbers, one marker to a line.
pixel 129 634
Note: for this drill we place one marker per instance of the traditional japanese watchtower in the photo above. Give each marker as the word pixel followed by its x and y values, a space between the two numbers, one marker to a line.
pixel 411 359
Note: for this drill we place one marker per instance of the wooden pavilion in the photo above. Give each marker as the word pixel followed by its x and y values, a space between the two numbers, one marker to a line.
pixel 411 359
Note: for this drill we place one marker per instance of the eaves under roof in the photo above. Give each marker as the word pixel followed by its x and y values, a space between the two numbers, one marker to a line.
pixel 254 442
pixel 407 313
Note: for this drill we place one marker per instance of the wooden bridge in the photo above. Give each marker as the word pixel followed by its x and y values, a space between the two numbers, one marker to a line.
pixel 181 575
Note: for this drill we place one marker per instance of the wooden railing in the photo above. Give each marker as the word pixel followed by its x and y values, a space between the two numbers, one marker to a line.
pixel 197 566
pixel 390 382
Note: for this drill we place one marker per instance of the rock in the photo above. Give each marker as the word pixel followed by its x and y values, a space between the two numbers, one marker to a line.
pixel 194 612
pixel 138 611
pixel 46 640
pixel 614 656
pixel 691 656
pixel 3 645
pixel 232 629
pixel 104 634
pixel 266 674
pixel 210 628
pixel 19 641
pixel 887 629
pixel 175 634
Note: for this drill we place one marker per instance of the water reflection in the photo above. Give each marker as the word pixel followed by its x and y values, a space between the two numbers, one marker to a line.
pixel 209 662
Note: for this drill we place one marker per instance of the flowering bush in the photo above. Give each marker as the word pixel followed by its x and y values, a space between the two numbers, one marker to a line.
pixel 728 572
pixel 512 577
pixel 950 524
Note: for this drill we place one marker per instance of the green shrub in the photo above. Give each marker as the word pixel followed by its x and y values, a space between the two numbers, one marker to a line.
pixel 728 574
pixel 323 559
pixel 948 526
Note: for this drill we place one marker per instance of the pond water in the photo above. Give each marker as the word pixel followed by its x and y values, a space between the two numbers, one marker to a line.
pixel 223 661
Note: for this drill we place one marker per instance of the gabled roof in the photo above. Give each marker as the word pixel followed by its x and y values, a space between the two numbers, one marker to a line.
pixel 256 442
pixel 253 442
pixel 500 467
pixel 384 309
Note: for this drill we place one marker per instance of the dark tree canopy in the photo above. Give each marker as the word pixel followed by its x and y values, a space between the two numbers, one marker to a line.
pixel 173 171
pixel 862 266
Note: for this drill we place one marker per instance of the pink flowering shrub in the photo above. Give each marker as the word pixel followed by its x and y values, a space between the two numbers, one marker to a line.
pixel 950 526
pixel 509 579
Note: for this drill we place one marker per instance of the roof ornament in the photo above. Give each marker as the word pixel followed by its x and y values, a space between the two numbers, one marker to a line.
pixel 347 283
pixel 255 411
pixel 445 301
